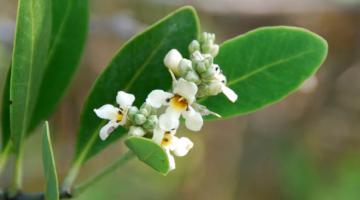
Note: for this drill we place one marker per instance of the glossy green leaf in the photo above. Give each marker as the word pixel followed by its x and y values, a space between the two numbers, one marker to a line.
pixel 137 68
pixel 51 180
pixel 265 65
pixel 31 43
pixel 149 152
pixel 68 34
pixel 5 113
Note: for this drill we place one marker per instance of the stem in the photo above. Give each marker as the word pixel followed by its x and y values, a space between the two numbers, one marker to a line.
pixel 70 178
pixel 16 182
pixel 4 156
pixel 111 168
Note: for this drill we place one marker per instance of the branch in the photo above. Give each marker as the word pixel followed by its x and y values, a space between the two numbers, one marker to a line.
pixel 66 194
pixel 31 196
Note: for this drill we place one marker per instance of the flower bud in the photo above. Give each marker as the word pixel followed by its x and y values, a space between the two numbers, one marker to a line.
pixel 205 48
pixel 209 74
pixel 136 131
pixel 132 111
pixel 151 122
pixel 194 46
pixel 146 109
pixel 172 60
pixel 192 76
pixel 139 119
pixel 214 50
pixel 185 65
pixel 200 67
pixel 197 56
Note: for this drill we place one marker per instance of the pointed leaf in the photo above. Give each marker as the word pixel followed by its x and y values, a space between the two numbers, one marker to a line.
pixel 137 68
pixel 51 180
pixel 28 63
pixel 265 65
pixel 149 152
pixel 69 30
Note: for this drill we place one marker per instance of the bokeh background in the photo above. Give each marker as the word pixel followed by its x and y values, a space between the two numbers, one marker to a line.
pixel 305 147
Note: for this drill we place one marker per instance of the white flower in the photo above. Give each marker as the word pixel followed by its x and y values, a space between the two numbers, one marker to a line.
pixel 172 60
pixel 170 143
pixel 229 93
pixel 179 104
pixel 116 116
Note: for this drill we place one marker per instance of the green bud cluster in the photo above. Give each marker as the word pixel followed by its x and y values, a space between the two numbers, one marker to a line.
pixel 201 69
pixel 142 120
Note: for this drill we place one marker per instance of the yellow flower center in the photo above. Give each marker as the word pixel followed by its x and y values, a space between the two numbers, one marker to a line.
pixel 167 139
pixel 178 102
pixel 119 116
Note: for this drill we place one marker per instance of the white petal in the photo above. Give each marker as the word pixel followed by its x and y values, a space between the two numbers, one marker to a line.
pixel 186 89
pixel 158 135
pixel 229 93
pixel 106 130
pixel 125 99
pixel 172 60
pixel 107 111
pixel 157 98
pixel 169 120
pixel 171 160
pixel 193 119
pixel 183 146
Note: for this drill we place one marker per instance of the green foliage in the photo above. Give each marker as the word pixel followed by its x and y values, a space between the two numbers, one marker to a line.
pixel 137 68
pixel 51 180
pixel 32 40
pixel 149 152
pixel 265 65
pixel 68 34
pixel 54 65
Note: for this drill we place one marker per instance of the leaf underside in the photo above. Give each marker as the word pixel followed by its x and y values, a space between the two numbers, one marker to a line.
pixel 149 152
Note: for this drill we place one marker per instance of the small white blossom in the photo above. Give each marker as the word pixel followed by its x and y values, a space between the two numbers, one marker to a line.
pixel 115 115
pixel 172 60
pixel 172 144
pixel 179 103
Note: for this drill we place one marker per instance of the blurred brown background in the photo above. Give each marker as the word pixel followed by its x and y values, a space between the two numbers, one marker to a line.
pixel 306 147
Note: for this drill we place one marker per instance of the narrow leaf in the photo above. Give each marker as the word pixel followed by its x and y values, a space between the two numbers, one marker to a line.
pixel 69 30
pixel 51 180
pixel 137 68
pixel 265 65
pixel 28 63
pixel 149 152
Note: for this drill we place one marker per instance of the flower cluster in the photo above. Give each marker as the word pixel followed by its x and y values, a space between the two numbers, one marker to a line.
pixel 159 116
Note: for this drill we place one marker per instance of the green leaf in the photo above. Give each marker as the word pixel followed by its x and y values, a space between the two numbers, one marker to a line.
pixel 69 30
pixel 137 68
pixel 265 65
pixel 51 180
pixel 5 113
pixel 28 63
pixel 149 152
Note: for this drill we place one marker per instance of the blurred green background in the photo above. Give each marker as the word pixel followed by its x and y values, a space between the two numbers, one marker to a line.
pixel 306 147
